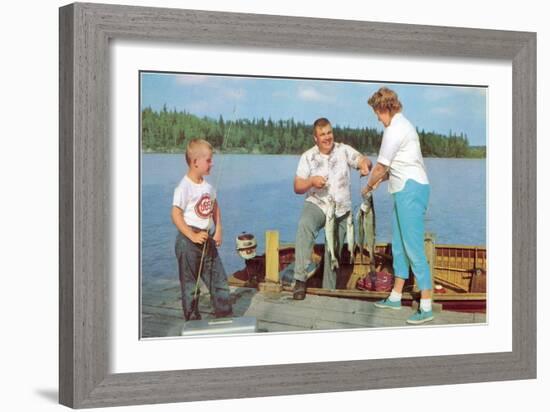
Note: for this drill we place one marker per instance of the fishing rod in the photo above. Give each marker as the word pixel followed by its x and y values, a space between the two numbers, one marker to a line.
pixel 195 307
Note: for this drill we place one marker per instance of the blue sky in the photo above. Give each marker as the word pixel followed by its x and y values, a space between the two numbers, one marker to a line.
pixel 344 103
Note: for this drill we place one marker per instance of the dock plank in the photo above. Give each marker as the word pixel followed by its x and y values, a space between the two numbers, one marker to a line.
pixel 279 312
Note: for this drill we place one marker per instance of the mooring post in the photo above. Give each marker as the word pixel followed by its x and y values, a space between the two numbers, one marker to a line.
pixel 429 249
pixel 272 256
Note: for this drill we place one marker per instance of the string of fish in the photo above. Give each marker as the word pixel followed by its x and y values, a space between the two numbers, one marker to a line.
pixel 367 231
pixel 332 237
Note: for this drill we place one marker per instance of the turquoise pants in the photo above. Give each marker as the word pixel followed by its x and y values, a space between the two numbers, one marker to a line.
pixel 409 210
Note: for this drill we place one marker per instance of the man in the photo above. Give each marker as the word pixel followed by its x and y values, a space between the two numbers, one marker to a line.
pixel 324 174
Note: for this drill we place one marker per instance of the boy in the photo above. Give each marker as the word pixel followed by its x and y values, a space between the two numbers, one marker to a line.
pixel 194 208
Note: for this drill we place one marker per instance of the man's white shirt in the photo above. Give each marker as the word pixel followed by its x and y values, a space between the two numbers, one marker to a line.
pixel 335 167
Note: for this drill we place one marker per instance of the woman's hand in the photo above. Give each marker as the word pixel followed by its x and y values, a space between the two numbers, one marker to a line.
pixel 369 188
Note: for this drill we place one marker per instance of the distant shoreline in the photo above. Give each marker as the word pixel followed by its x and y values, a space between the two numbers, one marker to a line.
pixel 170 131
pixel 243 152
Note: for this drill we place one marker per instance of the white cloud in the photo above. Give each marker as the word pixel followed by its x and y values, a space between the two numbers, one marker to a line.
pixel 199 106
pixel 436 93
pixel 280 93
pixel 206 80
pixel 213 86
pixel 466 90
pixel 190 79
pixel 235 94
pixel 312 95
pixel 475 91
pixel 445 111
pixel 439 93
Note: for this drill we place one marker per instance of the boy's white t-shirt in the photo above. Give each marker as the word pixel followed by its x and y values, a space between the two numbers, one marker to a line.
pixel 197 202
pixel 400 150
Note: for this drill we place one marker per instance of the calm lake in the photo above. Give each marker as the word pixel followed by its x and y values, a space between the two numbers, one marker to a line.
pixel 255 193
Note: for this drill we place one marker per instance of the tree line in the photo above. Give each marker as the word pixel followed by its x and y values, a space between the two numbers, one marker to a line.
pixel 168 131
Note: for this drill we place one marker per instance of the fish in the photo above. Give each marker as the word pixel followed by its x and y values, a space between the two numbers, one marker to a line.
pixel 330 232
pixel 350 235
pixel 366 219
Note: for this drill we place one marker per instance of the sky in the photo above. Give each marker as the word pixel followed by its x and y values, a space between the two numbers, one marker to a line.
pixel 439 108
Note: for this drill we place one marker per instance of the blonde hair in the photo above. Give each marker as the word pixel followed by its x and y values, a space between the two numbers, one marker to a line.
pixel 385 100
pixel 195 148
pixel 320 123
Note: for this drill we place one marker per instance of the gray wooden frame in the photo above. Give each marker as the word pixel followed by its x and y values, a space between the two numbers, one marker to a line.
pixel 85 31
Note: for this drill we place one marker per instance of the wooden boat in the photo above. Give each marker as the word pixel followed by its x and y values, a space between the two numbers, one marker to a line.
pixel 262 290
pixel 459 274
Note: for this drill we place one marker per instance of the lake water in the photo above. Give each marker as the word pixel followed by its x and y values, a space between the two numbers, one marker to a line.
pixel 255 193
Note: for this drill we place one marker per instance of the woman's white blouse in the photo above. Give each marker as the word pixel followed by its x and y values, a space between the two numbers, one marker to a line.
pixel 400 150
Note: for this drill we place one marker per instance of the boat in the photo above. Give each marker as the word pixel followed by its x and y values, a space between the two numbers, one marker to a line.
pixel 262 290
pixel 459 274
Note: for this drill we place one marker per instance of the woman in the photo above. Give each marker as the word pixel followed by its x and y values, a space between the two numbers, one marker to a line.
pixel 400 157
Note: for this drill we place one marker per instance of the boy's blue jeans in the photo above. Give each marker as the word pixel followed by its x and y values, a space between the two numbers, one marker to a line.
pixel 311 222
pixel 409 210
pixel 213 274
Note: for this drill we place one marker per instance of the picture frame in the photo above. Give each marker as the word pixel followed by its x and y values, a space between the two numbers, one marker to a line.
pixel 84 356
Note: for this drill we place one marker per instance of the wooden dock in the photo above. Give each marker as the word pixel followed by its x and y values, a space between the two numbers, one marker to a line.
pixel 278 312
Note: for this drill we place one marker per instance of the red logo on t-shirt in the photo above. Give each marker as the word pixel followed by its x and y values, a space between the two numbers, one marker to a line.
pixel 203 207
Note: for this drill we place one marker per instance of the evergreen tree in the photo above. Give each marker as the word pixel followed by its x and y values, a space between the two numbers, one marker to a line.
pixel 169 131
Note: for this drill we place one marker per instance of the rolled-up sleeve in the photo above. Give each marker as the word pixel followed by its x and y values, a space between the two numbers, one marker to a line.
pixel 303 170
pixel 352 156
pixel 391 141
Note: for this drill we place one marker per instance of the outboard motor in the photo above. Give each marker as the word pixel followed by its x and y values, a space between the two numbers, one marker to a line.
pixel 246 248
pixel 246 245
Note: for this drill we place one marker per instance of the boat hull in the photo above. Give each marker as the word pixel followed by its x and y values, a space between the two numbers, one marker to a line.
pixel 459 274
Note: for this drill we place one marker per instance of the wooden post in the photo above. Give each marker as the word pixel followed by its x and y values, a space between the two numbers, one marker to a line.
pixel 429 249
pixel 272 256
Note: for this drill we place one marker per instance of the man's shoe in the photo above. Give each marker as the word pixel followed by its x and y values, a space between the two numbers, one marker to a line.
pixel 421 317
pixel 388 304
pixel 299 292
